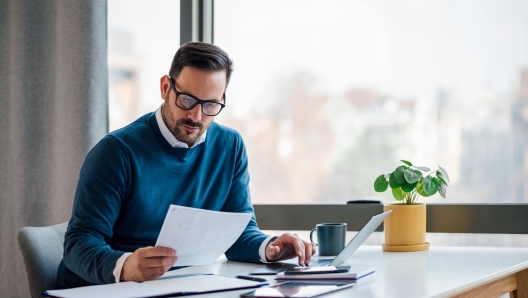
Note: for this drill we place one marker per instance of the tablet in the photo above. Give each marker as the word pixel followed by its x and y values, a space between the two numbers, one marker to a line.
pixel 298 289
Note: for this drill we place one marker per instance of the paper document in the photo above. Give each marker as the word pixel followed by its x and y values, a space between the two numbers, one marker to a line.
pixel 200 236
pixel 177 286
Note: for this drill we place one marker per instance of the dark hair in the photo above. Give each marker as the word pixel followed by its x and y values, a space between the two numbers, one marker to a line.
pixel 202 56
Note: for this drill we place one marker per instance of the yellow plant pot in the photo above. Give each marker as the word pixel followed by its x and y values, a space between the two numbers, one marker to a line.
pixel 405 227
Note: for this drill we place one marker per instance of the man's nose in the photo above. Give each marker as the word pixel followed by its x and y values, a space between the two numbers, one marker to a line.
pixel 195 114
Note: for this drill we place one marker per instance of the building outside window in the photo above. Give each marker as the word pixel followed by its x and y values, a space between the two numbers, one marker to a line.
pixel 330 94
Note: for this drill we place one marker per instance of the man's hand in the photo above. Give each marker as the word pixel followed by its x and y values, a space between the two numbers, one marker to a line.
pixel 148 263
pixel 289 246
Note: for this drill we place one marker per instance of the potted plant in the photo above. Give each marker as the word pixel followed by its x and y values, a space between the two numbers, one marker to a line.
pixel 405 227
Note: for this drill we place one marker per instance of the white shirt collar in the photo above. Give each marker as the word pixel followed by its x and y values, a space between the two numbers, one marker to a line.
pixel 171 138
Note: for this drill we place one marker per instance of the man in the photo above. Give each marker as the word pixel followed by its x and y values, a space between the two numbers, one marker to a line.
pixel 176 155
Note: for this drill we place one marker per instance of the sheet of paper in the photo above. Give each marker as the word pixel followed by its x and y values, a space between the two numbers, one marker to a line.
pixel 200 236
pixel 120 290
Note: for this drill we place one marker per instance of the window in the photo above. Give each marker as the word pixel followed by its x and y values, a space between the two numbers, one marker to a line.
pixel 142 40
pixel 330 94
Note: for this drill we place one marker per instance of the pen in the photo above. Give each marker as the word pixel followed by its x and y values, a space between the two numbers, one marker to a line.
pixel 251 278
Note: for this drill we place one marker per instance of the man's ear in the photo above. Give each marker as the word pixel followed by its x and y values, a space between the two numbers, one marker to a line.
pixel 164 86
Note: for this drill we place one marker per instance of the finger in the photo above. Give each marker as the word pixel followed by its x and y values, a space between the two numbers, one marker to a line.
pixel 154 273
pixel 307 252
pixel 158 251
pixel 314 248
pixel 273 249
pixel 276 249
pixel 273 252
pixel 159 262
pixel 298 245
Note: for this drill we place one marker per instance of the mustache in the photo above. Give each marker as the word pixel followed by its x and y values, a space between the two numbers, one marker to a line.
pixel 189 122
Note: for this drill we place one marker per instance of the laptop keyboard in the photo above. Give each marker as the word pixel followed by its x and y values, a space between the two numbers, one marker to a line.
pixel 320 262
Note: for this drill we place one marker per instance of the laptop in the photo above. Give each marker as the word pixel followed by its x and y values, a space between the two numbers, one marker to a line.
pixel 352 246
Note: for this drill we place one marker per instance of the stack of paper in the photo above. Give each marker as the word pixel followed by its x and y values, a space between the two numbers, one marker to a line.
pixel 353 274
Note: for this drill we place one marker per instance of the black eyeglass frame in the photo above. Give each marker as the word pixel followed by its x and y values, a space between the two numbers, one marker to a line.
pixel 198 101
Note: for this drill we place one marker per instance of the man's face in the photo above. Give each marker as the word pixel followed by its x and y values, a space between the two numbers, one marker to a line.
pixel 188 125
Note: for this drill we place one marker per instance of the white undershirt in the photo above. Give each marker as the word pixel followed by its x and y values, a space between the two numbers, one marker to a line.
pixel 167 134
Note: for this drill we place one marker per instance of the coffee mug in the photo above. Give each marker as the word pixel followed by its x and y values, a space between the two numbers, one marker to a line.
pixel 330 238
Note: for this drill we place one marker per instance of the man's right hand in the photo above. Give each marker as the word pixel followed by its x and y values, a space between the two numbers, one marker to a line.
pixel 148 263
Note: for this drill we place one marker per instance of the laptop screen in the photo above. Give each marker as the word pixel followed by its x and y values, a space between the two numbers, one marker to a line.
pixel 360 237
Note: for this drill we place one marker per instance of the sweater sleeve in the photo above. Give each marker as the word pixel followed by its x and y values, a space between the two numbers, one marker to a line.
pixel 100 193
pixel 246 248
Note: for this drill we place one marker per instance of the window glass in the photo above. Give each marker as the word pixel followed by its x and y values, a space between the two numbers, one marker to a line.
pixel 143 37
pixel 330 94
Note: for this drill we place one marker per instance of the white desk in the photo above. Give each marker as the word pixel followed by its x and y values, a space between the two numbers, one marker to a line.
pixel 439 272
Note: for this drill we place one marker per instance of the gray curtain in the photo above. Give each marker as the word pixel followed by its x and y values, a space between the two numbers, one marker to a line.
pixel 53 109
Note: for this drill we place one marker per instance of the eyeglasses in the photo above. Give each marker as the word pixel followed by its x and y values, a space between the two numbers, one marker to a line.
pixel 188 102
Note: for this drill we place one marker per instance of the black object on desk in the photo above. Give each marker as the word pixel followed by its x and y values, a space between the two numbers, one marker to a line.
pixel 364 202
pixel 251 278
pixel 177 267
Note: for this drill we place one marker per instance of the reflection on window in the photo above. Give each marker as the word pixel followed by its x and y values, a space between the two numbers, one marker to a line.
pixel 328 94
pixel 142 39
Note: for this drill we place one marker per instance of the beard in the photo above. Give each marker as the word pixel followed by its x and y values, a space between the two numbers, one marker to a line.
pixel 182 135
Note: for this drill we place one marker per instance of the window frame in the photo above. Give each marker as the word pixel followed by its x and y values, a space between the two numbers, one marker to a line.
pixel 196 21
pixel 441 218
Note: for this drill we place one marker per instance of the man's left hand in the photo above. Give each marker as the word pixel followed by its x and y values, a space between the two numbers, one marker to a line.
pixel 289 246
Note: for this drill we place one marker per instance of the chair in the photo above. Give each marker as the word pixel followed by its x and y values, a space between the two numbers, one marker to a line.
pixel 42 250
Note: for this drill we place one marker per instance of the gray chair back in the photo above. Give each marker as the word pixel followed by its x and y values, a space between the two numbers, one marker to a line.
pixel 42 249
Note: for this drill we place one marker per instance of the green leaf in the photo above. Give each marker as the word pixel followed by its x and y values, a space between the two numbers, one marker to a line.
pixel 411 176
pixel 421 191
pixel 406 162
pixel 425 169
pixel 444 173
pixel 381 184
pixel 399 174
pixel 430 185
pixel 441 179
pixel 398 194
pixel 392 181
pixel 408 187
pixel 442 190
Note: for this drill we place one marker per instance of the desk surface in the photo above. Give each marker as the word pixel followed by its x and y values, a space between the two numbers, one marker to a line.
pixel 438 272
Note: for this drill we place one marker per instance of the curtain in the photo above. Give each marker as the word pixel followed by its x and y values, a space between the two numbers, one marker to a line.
pixel 53 109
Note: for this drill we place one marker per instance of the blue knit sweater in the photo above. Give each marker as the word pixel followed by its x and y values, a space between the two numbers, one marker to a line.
pixel 126 184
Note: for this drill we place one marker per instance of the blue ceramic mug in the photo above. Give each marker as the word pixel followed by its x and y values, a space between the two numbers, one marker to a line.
pixel 330 238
